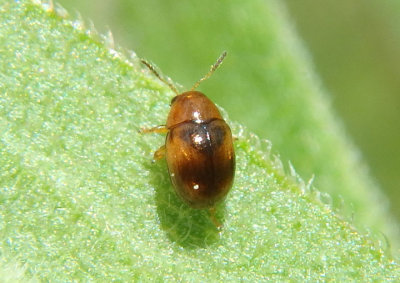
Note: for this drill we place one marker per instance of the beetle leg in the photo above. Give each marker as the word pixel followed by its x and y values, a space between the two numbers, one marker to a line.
pixel 159 154
pixel 214 219
pixel 159 130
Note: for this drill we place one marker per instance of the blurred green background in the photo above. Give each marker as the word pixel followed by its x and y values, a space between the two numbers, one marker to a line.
pixel 354 46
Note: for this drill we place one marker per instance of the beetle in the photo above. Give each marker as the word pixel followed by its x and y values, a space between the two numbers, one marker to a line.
pixel 198 146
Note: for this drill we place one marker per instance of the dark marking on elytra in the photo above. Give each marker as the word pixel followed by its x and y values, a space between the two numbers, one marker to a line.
pixel 198 147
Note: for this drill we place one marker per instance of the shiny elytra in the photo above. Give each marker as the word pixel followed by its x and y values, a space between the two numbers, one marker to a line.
pixel 198 146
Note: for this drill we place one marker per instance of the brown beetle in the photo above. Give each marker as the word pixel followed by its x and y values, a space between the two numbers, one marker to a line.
pixel 198 147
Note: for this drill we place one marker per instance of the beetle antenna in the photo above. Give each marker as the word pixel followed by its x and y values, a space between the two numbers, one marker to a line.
pixel 153 70
pixel 212 70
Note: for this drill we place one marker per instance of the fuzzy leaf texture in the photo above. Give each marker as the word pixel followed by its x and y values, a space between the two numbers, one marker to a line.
pixel 81 200
pixel 268 72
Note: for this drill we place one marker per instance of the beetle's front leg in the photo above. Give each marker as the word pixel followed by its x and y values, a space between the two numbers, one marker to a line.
pixel 159 130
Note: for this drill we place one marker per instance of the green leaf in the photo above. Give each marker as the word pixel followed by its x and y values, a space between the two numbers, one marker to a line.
pixel 81 200
pixel 267 83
